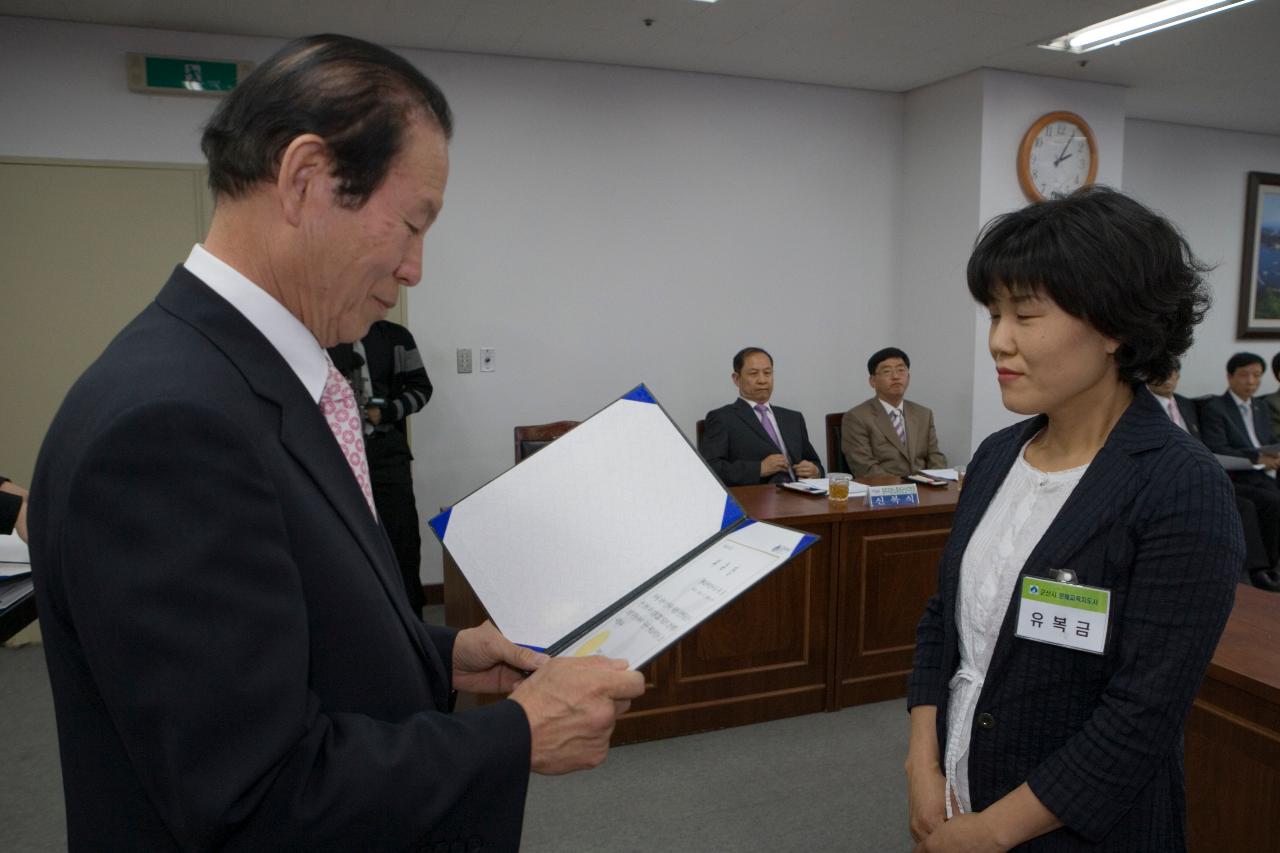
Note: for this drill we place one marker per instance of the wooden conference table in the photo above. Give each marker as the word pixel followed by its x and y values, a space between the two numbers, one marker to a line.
pixel 1233 734
pixel 832 628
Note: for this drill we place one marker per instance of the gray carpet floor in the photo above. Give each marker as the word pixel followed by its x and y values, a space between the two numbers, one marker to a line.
pixel 814 783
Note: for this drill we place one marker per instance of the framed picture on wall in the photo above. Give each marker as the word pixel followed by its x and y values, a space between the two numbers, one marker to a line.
pixel 1260 269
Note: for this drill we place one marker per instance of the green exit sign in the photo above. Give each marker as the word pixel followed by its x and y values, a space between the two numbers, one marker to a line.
pixel 173 75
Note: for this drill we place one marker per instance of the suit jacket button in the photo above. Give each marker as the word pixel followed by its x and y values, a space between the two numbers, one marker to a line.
pixel 986 722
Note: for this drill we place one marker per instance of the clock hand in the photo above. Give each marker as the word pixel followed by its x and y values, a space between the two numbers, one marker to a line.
pixel 1060 158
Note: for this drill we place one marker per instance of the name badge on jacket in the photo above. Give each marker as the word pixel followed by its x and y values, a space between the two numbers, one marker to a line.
pixel 1063 614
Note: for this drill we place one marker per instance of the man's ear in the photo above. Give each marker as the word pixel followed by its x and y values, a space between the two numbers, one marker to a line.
pixel 304 172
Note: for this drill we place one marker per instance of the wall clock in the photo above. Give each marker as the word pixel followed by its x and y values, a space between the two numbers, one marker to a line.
pixel 1058 156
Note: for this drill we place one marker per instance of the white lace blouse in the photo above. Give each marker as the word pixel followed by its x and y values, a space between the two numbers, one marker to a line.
pixel 1025 505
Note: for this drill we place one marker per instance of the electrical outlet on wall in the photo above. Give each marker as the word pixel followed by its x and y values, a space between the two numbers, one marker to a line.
pixel 464 360
pixel 486 360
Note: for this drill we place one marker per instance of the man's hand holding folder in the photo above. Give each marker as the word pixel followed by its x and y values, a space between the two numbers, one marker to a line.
pixel 571 703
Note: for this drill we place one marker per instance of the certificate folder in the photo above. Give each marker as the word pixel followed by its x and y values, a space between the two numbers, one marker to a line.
pixel 616 538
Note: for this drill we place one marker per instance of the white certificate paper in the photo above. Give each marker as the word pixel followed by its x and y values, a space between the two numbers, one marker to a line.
pixel 655 620
pixel 617 511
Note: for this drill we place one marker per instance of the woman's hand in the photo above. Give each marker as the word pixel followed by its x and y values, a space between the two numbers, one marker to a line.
pixel 966 833
pixel 926 795
pixel 926 786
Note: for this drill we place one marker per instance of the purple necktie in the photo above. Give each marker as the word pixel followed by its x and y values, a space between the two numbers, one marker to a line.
pixel 762 410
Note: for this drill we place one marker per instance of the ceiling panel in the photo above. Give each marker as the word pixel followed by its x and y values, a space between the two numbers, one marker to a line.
pixel 1222 71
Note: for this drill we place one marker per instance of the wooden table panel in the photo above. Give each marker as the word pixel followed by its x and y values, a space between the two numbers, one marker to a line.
pixel 889 571
pixel 1233 734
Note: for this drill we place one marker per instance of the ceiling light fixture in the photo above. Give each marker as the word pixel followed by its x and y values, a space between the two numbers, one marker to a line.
pixel 1139 22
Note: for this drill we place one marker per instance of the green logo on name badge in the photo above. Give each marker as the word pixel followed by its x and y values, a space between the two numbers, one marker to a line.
pixel 1074 596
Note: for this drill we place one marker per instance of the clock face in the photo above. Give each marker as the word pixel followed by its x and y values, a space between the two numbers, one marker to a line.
pixel 1060 160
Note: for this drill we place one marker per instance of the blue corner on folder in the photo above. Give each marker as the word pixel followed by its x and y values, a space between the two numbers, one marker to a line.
pixel 732 512
pixel 441 523
pixel 639 394
pixel 538 649
pixel 805 541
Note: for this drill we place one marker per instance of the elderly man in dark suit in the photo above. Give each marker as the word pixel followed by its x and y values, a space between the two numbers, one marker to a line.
pixel 1261 521
pixel 750 440
pixel 233 659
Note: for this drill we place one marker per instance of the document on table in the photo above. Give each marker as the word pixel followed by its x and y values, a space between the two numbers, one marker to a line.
pixel 587 526
pixel 822 486
pixel 942 473
pixel 1236 463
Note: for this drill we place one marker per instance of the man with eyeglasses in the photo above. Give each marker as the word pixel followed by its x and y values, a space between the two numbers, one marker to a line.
pixel 888 434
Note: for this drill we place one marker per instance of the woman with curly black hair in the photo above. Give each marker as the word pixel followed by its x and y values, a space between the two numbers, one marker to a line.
pixel 1094 554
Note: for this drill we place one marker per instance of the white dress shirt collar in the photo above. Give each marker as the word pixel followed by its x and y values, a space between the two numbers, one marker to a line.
pixel 1170 406
pixel 285 332
pixel 889 409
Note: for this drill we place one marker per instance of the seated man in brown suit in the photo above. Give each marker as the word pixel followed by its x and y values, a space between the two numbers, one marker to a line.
pixel 887 434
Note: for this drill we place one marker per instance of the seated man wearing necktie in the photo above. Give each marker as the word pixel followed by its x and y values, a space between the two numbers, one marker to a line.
pixel 1261 520
pixel 750 441
pixel 1236 425
pixel 888 434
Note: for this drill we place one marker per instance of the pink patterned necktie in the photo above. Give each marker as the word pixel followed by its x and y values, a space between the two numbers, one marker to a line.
pixel 339 406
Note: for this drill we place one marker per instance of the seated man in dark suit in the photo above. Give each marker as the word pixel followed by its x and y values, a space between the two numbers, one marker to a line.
pixel 1261 522
pixel 750 441
pixel 1234 425
pixel 888 434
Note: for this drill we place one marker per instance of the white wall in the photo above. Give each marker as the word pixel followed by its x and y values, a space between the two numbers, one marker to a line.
pixel 943 144
pixel 1011 103
pixel 1196 176
pixel 603 226
pixel 606 226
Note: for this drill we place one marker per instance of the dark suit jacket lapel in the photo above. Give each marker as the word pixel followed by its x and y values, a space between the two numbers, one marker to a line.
pixel 303 429
pixel 1262 421
pixel 1237 419
pixel 1106 489
pixel 789 432
pixel 748 414
pixel 1190 416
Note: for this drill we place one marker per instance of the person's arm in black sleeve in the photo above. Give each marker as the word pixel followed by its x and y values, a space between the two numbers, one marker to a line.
pixel 197 634
pixel 413 386
pixel 715 449
pixel 1214 434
